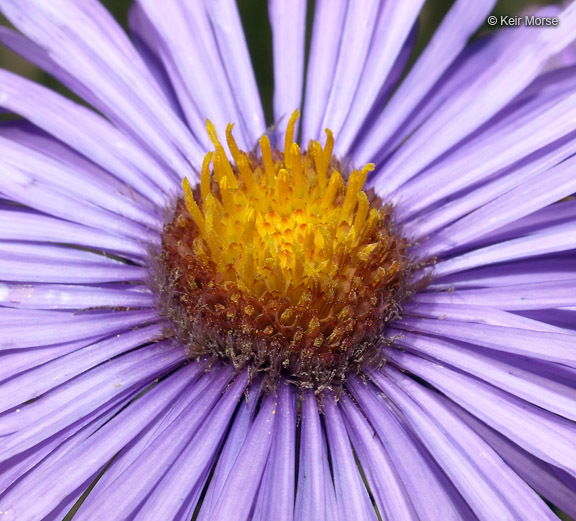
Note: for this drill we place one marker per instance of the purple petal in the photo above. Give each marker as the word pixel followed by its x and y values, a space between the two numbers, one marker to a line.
pixel 76 37
pixel 18 267
pixel 449 39
pixel 546 217
pixel 34 422
pixel 13 469
pixel 51 172
pixel 190 54
pixel 20 360
pixel 52 327
pixel 543 434
pixel 394 23
pixel 535 295
pixel 509 141
pixel 143 36
pixel 39 57
pixel 528 169
pixel 534 388
pixel 392 498
pixel 326 37
pixel 432 495
pixel 468 461
pixel 198 381
pixel 356 37
pixel 314 481
pixel 234 441
pixel 54 296
pixel 515 68
pixel 227 27
pixel 559 238
pixel 41 379
pixel 351 494
pixel 99 140
pixel 121 494
pixel 239 492
pixel 32 137
pixel 521 272
pixel 559 182
pixel 564 318
pixel 551 482
pixel 543 345
pixel 54 200
pixel 277 491
pixel 173 493
pixel 89 456
pixel 21 225
pixel 288 22
pixel 477 314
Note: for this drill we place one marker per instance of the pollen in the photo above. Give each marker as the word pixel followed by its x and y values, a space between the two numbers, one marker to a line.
pixel 281 260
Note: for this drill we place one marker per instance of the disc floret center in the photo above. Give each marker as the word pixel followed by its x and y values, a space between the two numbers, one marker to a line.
pixel 282 262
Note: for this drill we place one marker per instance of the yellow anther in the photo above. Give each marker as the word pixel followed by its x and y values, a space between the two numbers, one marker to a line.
pixel 370 224
pixel 205 182
pixel 362 212
pixel 351 194
pixel 329 146
pixel 227 197
pixel 334 187
pixel 193 207
pixel 288 262
pixel 279 223
pixel 222 168
pixel 309 243
pixel 289 138
pixel 248 269
pixel 246 173
pixel 212 210
pixel 267 159
pixel 283 188
pixel 298 262
pixel 297 166
pixel 364 173
pixel 212 239
pixel 321 165
pixel 212 134
pixel 234 150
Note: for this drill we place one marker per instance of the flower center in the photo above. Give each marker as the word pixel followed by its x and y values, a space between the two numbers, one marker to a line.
pixel 282 262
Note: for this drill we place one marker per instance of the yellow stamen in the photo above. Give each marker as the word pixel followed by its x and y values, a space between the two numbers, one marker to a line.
pixel 289 139
pixel 329 146
pixel 232 143
pixel 205 177
pixel 193 207
pixel 267 159
pixel 362 213
pixel 321 164
pixel 297 167
pixel 281 226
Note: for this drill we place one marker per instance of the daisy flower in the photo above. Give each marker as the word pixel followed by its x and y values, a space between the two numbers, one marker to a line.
pixel 363 312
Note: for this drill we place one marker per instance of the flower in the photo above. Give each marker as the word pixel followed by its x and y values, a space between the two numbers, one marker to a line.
pixel 465 407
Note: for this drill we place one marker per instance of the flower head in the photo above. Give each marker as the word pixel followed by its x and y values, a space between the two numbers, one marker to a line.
pixel 280 265
pixel 201 321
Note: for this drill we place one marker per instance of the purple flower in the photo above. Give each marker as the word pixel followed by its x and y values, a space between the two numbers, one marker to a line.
pixel 437 383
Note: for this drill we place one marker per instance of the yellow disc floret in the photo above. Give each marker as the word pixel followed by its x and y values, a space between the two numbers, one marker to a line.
pixel 280 260
pixel 281 225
